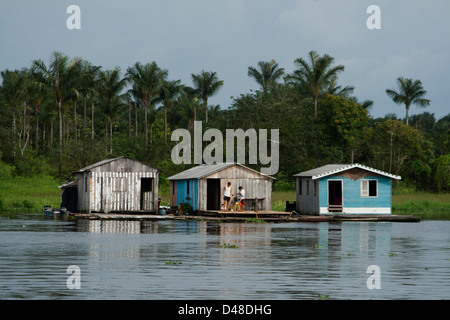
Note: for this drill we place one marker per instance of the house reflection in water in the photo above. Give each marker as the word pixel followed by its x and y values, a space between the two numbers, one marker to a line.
pixel 362 239
pixel 118 226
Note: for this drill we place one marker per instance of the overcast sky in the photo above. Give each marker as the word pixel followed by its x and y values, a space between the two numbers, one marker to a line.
pixel 228 36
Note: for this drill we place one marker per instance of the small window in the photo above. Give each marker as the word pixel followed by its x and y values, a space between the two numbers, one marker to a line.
pixel 300 185
pixel 307 187
pixel 85 184
pixel 173 187
pixel 369 188
pixel 315 187
pixel 187 183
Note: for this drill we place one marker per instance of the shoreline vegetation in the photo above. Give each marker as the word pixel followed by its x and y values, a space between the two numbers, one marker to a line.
pixel 31 194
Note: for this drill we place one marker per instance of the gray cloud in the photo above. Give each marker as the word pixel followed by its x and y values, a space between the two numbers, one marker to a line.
pixel 186 36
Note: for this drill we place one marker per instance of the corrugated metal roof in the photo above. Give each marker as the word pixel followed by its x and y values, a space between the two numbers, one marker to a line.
pixel 205 170
pixel 73 183
pixel 330 169
pixel 100 163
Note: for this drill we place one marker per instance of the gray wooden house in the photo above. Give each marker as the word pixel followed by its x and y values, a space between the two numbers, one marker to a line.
pixel 201 186
pixel 113 185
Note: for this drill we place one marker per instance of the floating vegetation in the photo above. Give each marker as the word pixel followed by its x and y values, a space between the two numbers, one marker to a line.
pixel 173 263
pixel 229 246
pixel 322 296
pixel 392 254
pixel 254 220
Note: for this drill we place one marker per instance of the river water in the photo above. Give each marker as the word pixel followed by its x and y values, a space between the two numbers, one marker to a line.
pixel 210 260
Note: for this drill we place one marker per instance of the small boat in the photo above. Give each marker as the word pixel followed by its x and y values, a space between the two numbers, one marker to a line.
pixel 48 211
pixel 52 212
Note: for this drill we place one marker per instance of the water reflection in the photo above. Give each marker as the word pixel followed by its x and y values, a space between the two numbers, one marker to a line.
pixel 128 259
pixel 327 239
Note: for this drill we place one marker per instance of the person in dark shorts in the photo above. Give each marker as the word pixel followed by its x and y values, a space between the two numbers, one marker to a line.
pixel 227 190
pixel 241 195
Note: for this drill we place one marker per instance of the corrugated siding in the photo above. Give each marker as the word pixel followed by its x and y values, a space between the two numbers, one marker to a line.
pixel 308 201
pixel 118 191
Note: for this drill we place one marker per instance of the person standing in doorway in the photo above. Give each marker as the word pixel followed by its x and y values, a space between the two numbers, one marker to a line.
pixel 227 190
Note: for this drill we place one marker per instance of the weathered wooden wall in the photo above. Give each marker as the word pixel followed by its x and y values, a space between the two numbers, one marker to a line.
pixel 255 185
pixel 308 201
pixel 116 187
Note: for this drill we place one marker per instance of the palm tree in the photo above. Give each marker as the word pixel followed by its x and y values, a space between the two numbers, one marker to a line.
pixel 12 96
pixel 170 90
pixel 57 78
pixel 110 87
pixel 267 75
pixel 90 76
pixel 37 95
pixel 409 92
pixel 206 84
pixel 146 81
pixel 315 77
pixel 187 104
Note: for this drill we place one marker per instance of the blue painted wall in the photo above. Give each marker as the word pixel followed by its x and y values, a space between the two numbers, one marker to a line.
pixel 352 192
pixel 182 186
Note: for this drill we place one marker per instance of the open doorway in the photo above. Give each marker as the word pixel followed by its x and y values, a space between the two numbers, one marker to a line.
pixel 147 194
pixel 334 195
pixel 213 194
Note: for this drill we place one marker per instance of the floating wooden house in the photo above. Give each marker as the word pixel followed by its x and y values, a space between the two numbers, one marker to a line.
pixel 112 185
pixel 344 189
pixel 201 186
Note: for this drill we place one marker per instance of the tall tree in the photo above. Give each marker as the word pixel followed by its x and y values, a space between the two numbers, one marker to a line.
pixel 169 92
pixel 110 87
pixel 90 75
pixel 206 85
pixel 146 81
pixel 316 76
pixel 409 92
pixel 12 96
pixel 267 74
pixel 37 95
pixel 57 78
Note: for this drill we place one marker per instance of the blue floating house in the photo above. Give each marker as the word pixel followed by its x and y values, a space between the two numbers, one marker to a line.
pixel 344 189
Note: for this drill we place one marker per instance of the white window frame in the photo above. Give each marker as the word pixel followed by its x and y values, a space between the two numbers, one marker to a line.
pixel 365 190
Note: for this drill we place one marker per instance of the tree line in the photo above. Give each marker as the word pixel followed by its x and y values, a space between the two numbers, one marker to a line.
pixel 59 116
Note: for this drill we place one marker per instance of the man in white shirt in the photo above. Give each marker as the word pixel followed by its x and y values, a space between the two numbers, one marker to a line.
pixel 227 195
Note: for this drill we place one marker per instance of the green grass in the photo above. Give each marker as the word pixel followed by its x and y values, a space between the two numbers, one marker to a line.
pixel 279 199
pixel 29 194
pixel 406 201
pixel 426 205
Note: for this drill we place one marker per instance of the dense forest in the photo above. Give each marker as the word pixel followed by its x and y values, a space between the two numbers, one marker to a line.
pixel 64 114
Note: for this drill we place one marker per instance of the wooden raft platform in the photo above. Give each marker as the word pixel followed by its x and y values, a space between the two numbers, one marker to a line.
pixel 358 218
pixel 247 214
pixel 233 216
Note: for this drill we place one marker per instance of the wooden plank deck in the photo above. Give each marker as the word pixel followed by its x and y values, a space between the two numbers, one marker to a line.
pixel 247 213
pixel 269 216
pixel 358 218
pixel 119 216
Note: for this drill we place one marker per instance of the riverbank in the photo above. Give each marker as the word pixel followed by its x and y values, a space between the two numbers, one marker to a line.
pixel 31 194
